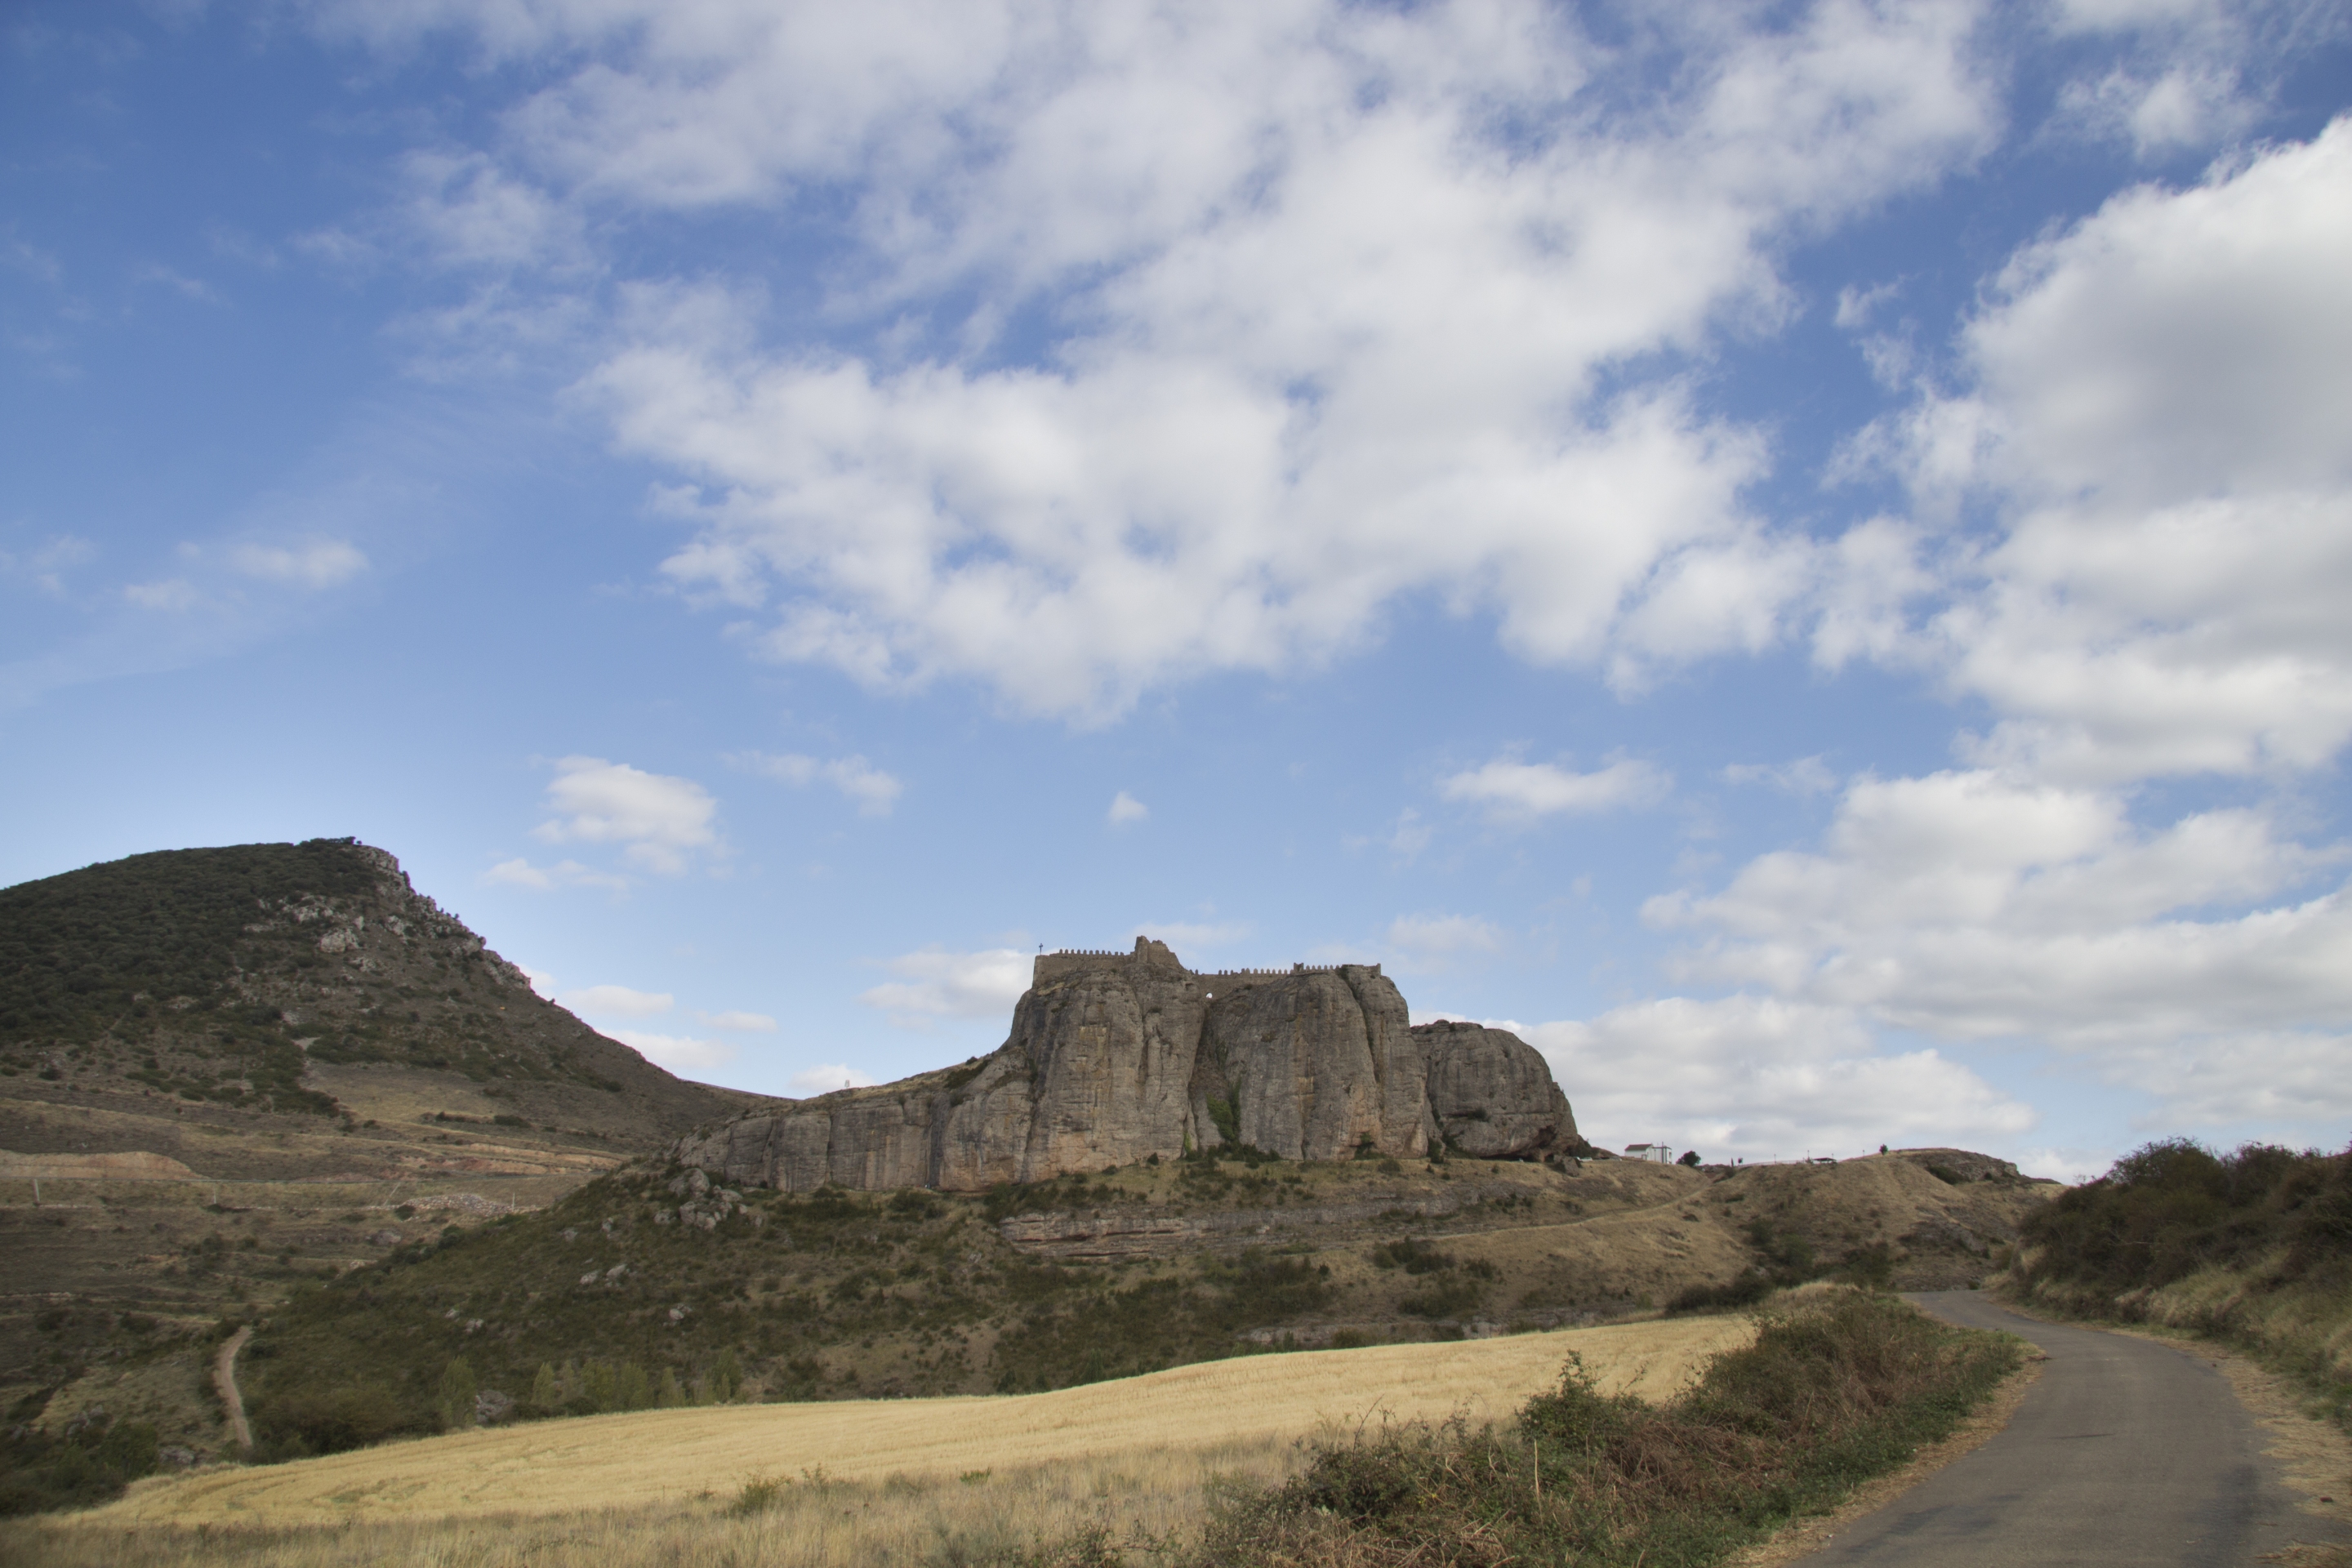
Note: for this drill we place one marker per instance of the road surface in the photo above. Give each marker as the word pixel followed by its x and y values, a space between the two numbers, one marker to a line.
pixel 2126 1452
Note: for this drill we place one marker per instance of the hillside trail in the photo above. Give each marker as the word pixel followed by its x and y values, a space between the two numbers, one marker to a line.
pixel 2124 1453
pixel 225 1380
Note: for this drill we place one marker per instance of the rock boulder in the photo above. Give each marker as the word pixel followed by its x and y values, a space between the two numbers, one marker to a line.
pixel 1115 1058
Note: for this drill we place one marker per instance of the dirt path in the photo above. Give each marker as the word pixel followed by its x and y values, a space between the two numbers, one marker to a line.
pixel 225 1380
pixel 2124 1453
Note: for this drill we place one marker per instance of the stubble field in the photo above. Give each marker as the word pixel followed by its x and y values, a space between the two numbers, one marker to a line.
pixel 854 1481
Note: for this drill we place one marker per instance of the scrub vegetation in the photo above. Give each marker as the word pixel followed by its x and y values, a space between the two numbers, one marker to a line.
pixel 2252 1247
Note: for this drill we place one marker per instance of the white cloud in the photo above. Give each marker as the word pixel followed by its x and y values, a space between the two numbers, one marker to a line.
pixel 1125 808
pixel 519 872
pixel 825 1078
pixel 2155 412
pixel 1432 941
pixel 2189 106
pixel 871 791
pixel 317 564
pixel 659 817
pixel 473 214
pixel 1970 906
pixel 1188 936
pixel 541 980
pixel 1342 304
pixel 1763 1079
pixel 170 594
pixel 674 1053
pixel 739 1023
pixel 617 1002
pixel 1806 775
pixel 1512 791
pixel 936 983
pixel 1409 835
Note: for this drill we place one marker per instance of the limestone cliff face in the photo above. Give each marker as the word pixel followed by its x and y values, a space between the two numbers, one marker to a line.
pixel 1490 1091
pixel 1115 1058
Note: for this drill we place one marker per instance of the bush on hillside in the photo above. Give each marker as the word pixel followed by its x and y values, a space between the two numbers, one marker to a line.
pixel 1834 1391
pixel 2174 1207
pixel 2253 1246
pixel 90 1464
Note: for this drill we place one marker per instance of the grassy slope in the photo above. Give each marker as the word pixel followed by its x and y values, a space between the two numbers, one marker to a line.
pixel 1840 1387
pixel 839 1295
pixel 312 1040
pixel 2254 1247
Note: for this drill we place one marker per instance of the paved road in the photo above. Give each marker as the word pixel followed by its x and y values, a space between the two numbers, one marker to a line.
pixel 2126 1453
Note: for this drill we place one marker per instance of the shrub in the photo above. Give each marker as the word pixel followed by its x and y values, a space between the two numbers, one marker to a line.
pixel 454 1403
pixel 1839 1389
pixel 292 1426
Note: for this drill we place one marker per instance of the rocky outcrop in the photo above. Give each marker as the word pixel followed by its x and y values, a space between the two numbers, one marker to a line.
pixel 1119 1057
pixel 1493 1096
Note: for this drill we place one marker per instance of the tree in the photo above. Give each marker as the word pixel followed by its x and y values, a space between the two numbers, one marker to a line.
pixel 546 1393
pixel 1690 1157
pixel 456 1403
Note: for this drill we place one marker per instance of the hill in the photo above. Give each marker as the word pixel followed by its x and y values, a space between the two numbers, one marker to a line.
pixel 224 1072
pixel 611 1299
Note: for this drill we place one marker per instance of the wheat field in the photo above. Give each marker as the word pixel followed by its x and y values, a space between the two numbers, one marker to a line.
pixel 1170 1423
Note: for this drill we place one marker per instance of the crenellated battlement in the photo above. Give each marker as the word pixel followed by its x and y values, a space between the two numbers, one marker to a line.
pixel 1151 954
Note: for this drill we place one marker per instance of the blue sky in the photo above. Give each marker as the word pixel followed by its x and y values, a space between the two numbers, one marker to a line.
pixel 1795 554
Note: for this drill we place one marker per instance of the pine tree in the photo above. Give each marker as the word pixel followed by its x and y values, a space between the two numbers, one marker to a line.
pixel 546 1393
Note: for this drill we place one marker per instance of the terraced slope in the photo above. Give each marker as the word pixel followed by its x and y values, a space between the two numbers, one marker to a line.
pixel 279 1044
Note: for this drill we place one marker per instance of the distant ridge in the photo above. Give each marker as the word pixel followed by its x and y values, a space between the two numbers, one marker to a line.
pixel 220 976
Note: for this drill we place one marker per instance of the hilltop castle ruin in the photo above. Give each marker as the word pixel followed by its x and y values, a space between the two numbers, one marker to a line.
pixel 1118 1056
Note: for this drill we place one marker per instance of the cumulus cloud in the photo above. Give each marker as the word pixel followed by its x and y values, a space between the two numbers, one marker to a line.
pixel 935 984
pixel 1433 941
pixel 2154 409
pixel 1342 308
pixel 660 820
pixel 1187 936
pixel 677 1053
pixel 1969 905
pixel 1125 808
pixel 739 1023
pixel 1512 791
pixel 871 790
pixel 617 1002
pixel 519 872
pixel 827 1076
pixel 171 594
pixel 1761 1078
pixel 1806 775
pixel 318 564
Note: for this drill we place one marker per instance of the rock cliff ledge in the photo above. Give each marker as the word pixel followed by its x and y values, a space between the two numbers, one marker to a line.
pixel 1115 1058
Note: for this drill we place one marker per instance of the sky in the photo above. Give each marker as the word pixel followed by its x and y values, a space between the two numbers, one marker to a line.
pixel 1798 555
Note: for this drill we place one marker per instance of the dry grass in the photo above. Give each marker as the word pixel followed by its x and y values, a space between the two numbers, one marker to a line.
pixel 898 1480
pixel 809 1522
